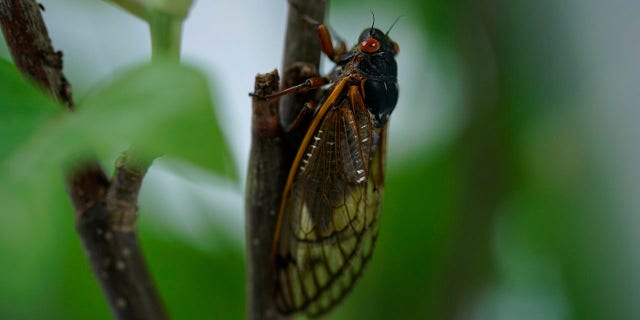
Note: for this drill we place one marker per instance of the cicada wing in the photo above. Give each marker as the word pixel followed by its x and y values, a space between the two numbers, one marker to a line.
pixel 331 211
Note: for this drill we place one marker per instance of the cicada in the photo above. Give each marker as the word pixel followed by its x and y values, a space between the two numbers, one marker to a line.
pixel 329 217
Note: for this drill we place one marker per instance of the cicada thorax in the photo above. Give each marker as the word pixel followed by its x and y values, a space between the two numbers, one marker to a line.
pixel 372 65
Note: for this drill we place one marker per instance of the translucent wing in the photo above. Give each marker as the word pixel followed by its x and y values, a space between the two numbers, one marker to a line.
pixel 331 209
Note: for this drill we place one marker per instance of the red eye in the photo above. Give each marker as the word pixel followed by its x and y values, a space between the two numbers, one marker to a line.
pixel 370 45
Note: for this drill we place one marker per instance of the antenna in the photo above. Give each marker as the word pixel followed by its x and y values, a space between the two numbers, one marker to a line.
pixel 373 17
pixel 393 24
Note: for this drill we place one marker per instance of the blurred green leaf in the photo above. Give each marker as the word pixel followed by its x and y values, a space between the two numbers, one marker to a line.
pixel 166 109
pixel 159 109
pixel 23 108
pixel 197 284
pixel 34 236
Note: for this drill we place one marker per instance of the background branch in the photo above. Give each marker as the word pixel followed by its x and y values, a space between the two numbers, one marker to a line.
pixel 114 253
pixel 31 48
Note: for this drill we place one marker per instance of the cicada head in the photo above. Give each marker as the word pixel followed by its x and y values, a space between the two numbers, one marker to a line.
pixel 377 65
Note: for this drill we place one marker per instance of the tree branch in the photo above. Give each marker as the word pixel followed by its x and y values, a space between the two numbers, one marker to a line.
pixel 114 253
pixel 31 48
pixel 301 54
pixel 118 263
pixel 272 150
pixel 265 180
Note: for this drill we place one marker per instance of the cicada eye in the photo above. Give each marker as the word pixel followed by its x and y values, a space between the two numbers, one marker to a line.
pixel 396 48
pixel 370 45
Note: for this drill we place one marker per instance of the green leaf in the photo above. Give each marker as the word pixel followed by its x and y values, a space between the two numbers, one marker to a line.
pixel 219 281
pixel 28 238
pixel 164 108
pixel 159 109
pixel 23 108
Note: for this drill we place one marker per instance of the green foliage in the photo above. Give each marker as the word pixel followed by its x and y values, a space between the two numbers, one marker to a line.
pixel 24 109
pixel 196 284
pixel 159 109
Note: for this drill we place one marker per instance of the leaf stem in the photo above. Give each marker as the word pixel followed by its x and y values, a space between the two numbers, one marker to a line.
pixel 166 35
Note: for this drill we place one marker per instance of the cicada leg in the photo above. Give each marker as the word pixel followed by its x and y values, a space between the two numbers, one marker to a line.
pixel 308 109
pixel 326 44
pixel 311 83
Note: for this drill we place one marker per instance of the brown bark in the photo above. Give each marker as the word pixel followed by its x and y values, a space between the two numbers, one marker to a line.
pixel 272 149
pixel 265 180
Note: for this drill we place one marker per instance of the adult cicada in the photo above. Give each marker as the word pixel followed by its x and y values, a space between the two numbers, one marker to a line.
pixel 330 211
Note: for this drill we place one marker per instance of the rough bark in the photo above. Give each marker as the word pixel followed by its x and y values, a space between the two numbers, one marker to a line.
pixel 272 149
pixel 265 180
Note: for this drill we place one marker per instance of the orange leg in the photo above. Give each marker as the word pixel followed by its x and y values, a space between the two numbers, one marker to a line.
pixel 311 83
pixel 326 44
pixel 308 109
pixel 325 41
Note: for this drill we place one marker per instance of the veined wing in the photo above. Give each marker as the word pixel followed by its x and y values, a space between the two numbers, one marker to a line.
pixel 331 207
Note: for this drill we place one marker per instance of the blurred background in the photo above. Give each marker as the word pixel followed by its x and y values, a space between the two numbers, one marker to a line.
pixel 512 175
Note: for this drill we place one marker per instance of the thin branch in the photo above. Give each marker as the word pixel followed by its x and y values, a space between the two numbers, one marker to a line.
pixel 114 253
pixel 122 197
